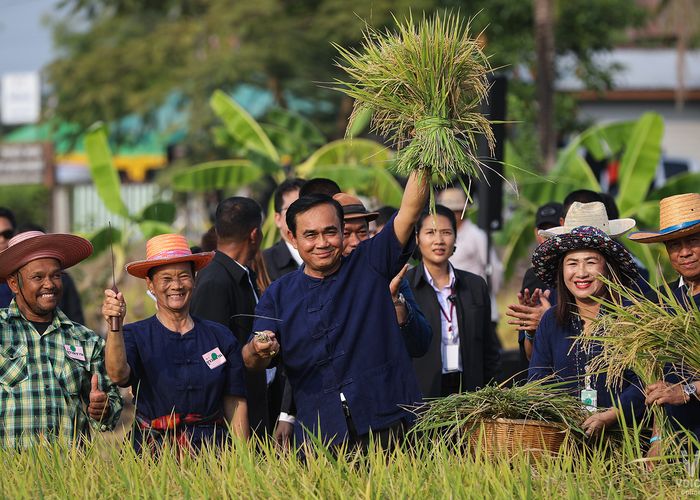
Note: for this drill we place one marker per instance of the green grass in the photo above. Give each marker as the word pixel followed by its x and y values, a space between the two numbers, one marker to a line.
pixel 431 469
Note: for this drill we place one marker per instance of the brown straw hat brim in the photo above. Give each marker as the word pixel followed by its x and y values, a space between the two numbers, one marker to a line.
pixel 68 249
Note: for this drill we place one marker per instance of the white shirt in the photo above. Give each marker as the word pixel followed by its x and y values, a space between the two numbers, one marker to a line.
pixel 294 253
pixel 448 320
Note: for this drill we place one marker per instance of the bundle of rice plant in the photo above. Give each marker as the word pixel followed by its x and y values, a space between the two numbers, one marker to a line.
pixel 424 85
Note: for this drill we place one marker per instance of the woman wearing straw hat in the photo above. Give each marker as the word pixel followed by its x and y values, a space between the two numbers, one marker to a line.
pixel 187 374
pixel 679 230
pixel 572 261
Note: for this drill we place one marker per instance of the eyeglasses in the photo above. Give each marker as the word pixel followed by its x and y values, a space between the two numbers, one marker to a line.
pixel 7 233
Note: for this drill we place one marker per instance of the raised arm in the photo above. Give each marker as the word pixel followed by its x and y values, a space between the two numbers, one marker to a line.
pixel 415 196
pixel 116 363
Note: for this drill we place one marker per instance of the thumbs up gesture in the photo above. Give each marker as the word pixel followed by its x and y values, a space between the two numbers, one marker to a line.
pixel 98 407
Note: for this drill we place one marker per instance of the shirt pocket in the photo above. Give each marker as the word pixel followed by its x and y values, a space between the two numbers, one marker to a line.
pixel 13 367
pixel 73 374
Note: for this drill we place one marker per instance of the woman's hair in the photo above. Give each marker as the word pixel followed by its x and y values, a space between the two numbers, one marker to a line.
pixel 439 210
pixel 566 303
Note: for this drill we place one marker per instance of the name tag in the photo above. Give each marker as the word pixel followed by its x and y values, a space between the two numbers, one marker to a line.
pixel 589 397
pixel 452 357
pixel 75 352
pixel 214 358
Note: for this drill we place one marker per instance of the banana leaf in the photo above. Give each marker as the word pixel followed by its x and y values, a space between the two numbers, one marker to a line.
pixel 678 184
pixel 160 211
pixel 216 175
pixel 373 182
pixel 103 237
pixel 347 152
pixel 102 170
pixel 151 228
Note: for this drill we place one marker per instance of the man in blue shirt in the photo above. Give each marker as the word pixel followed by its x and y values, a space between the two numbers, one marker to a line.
pixel 334 318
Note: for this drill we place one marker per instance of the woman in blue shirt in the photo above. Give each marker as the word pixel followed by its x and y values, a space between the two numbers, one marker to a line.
pixel 187 374
pixel 572 262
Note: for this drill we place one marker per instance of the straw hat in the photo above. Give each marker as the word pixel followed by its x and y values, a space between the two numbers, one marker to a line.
pixel 545 260
pixel 67 249
pixel 167 249
pixel 590 214
pixel 353 208
pixel 678 216
pixel 452 198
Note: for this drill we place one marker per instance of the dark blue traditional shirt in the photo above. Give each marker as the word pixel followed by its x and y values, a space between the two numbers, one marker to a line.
pixel 553 354
pixel 339 335
pixel 183 374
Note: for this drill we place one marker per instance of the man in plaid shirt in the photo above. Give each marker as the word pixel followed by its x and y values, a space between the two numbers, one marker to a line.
pixel 51 369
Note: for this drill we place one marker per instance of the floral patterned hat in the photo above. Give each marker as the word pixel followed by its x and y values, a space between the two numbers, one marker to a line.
pixel 546 258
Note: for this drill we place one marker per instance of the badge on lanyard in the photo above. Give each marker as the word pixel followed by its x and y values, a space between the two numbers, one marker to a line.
pixel 75 352
pixel 589 397
pixel 214 358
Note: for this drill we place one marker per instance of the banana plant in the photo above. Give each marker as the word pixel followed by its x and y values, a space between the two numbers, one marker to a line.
pixel 638 145
pixel 156 218
pixel 286 146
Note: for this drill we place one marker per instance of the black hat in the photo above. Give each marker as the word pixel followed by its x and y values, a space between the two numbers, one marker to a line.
pixel 548 215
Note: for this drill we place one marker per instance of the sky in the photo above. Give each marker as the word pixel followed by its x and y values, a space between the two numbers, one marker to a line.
pixel 25 44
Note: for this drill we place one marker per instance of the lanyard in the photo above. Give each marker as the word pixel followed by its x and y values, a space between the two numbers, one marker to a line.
pixel 449 317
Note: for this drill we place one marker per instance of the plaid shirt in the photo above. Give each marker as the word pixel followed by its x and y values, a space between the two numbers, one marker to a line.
pixel 43 389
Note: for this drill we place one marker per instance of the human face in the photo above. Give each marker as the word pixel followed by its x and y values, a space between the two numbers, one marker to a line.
pixel 5 226
pixel 684 254
pixel 38 288
pixel 581 269
pixel 355 231
pixel 436 240
pixel 172 286
pixel 319 240
pixel 281 217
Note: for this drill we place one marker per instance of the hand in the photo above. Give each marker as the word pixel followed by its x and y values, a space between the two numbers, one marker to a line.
pixel 283 434
pixel 98 408
pixel 599 421
pixel 113 305
pixel 652 454
pixel 266 348
pixel 396 282
pixel 528 312
pixel 662 392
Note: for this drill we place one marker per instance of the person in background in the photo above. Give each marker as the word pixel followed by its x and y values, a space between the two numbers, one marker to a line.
pixel 53 382
pixel 679 231
pixel 208 241
pixel 383 215
pixel 226 290
pixel 534 293
pixel 8 226
pixel 464 353
pixel 319 185
pixel 282 258
pixel 186 373
pixel 573 259
pixel 471 248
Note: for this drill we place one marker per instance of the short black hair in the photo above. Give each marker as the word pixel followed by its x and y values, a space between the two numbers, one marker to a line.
pixel 385 214
pixel 582 196
pixel 30 226
pixel 152 271
pixel 439 210
pixel 9 215
pixel 306 203
pixel 287 186
pixel 610 206
pixel 319 185
pixel 236 217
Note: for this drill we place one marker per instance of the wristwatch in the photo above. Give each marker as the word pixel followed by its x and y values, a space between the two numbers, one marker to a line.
pixel 400 300
pixel 690 390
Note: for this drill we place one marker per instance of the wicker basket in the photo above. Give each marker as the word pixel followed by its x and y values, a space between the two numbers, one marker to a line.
pixel 504 436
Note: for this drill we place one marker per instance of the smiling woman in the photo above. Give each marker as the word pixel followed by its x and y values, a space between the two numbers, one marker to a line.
pixel 187 373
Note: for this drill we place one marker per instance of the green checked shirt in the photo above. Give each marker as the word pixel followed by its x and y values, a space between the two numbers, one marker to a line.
pixel 45 380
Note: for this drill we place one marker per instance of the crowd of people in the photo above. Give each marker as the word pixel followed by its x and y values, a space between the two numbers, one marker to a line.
pixel 334 331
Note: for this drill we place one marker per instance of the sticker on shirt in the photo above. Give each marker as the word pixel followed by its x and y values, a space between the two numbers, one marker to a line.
pixel 214 358
pixel 75 352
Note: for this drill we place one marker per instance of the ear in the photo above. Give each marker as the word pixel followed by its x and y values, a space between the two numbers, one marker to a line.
pixel 13 283
pixel 253 236
pixel 149 284
pixel 292 239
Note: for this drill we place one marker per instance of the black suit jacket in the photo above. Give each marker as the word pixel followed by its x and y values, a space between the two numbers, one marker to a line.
pixel 478 344
pixel 222 290
pixel 278 260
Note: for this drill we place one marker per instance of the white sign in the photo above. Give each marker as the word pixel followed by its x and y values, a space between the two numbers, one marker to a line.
pixel 20 98
pixel 22 163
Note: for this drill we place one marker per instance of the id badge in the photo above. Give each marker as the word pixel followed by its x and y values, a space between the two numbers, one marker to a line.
pixel 589 397
pixel 452 357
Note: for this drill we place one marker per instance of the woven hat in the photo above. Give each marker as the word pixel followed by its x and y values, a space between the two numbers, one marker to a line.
pixel 678 216
pixel 546 258
pixel 452 198
pixel 67 249
pixel 167 249
pixel 353 208
pixel 590 214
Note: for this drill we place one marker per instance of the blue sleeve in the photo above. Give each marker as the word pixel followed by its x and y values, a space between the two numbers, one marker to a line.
pixel 235 370
pixel 264 312
pixel 384 253
pixel 417 333
pixel 542 362
pixel 132 353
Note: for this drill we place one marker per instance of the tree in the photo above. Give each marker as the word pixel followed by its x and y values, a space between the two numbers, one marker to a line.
pixel 544 78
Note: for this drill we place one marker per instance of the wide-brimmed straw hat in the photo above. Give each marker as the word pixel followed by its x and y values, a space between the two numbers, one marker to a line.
pixel 353 208
pixel 453 198
pixel 546 258
pixel 590 214
pixel 679 216
pixel 67 249
pixel 167 249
